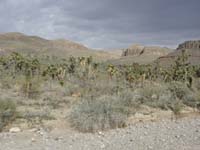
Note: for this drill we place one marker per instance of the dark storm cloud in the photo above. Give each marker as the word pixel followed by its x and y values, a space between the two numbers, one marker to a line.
pixel 105 23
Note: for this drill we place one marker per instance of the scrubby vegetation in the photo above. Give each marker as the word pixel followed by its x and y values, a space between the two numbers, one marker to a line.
pixel 104 95
pixel 7 112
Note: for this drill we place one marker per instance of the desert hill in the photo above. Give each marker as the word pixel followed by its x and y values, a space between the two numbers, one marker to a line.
pixel 19 42
pixel 192 49
pixel 141 54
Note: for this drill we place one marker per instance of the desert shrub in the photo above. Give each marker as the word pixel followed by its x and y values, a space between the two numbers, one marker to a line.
pixel 98 113
pixel 35 117
pixel 6 82
pixel 176 106
pixel 165 101
pixel 197 84
pixel 179 90
pixel 150 94
pixel 31 89
pixel 129 101
pixel 159 96
pixel 99 87
pixel 70 89
pixel 7 112
pixel 106 87
pixel 186 95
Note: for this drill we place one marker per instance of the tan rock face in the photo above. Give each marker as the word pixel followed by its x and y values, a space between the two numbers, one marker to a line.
pixel 134 50
pixel 189 45
pixel 138 50
pixel 192 50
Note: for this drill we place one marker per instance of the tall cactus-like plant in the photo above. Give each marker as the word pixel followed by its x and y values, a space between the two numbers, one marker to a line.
pixel 112 70
pixel 181 67
pixel 182 70
pixel 72 65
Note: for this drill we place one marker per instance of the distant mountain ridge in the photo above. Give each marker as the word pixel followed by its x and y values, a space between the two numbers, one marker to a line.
pixel 19 42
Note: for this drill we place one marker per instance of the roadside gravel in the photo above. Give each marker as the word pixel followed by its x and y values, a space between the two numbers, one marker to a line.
pixel 183 134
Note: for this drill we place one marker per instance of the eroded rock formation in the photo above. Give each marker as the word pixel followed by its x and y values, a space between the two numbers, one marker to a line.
pixel 189 45
pixel 138 50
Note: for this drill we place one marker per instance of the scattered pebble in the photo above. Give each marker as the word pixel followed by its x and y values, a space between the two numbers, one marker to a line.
pixel 183 134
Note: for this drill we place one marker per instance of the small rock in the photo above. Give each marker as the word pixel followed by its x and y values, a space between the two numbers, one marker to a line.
pixel 33 130
pixel 33 140
pixel 154 96
pixel 15 130
pixel 163 140
pixel 100 133
pixel 150 147
pixel 145 133
pixel 58 138
pixel 177 136
pixel 146 126
pixel 139 115
pixel 103 146
pixel 41 133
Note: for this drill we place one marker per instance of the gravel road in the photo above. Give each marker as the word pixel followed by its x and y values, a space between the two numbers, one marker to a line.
pixel 183 134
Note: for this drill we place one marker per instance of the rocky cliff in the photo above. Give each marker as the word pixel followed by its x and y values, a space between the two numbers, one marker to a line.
pixel 192 49
pixel 138 50
pixel 189 45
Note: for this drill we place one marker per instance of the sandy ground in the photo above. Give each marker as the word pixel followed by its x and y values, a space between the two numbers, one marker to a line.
pixel 182 134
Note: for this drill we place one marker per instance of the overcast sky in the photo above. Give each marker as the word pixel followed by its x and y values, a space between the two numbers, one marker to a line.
pixel 104 23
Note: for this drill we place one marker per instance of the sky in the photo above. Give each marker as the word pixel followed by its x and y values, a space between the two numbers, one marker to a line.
pixel 107 24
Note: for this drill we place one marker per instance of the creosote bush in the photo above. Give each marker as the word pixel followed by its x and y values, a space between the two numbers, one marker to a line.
pixel 7 112
pixel 172 96
pixel 101 113
pixel 186 95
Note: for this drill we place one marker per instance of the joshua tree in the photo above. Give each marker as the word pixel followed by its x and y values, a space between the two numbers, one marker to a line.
pixel 112 70
pixel 56 72
pixel 72 65
pixel 181 68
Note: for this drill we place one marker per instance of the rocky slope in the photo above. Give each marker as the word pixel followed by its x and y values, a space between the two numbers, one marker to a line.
pixel 192 49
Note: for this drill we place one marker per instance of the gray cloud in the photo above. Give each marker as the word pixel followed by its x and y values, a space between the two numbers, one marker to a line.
pixel 105 23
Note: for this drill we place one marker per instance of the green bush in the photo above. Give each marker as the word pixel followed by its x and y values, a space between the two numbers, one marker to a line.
pixel 7 112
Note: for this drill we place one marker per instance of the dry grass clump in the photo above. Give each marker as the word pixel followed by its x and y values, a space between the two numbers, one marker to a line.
pixel 7 112
pixel 189 97
pixel 172 96
pixel 109 111
pixel 155 95
pixel 101 113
